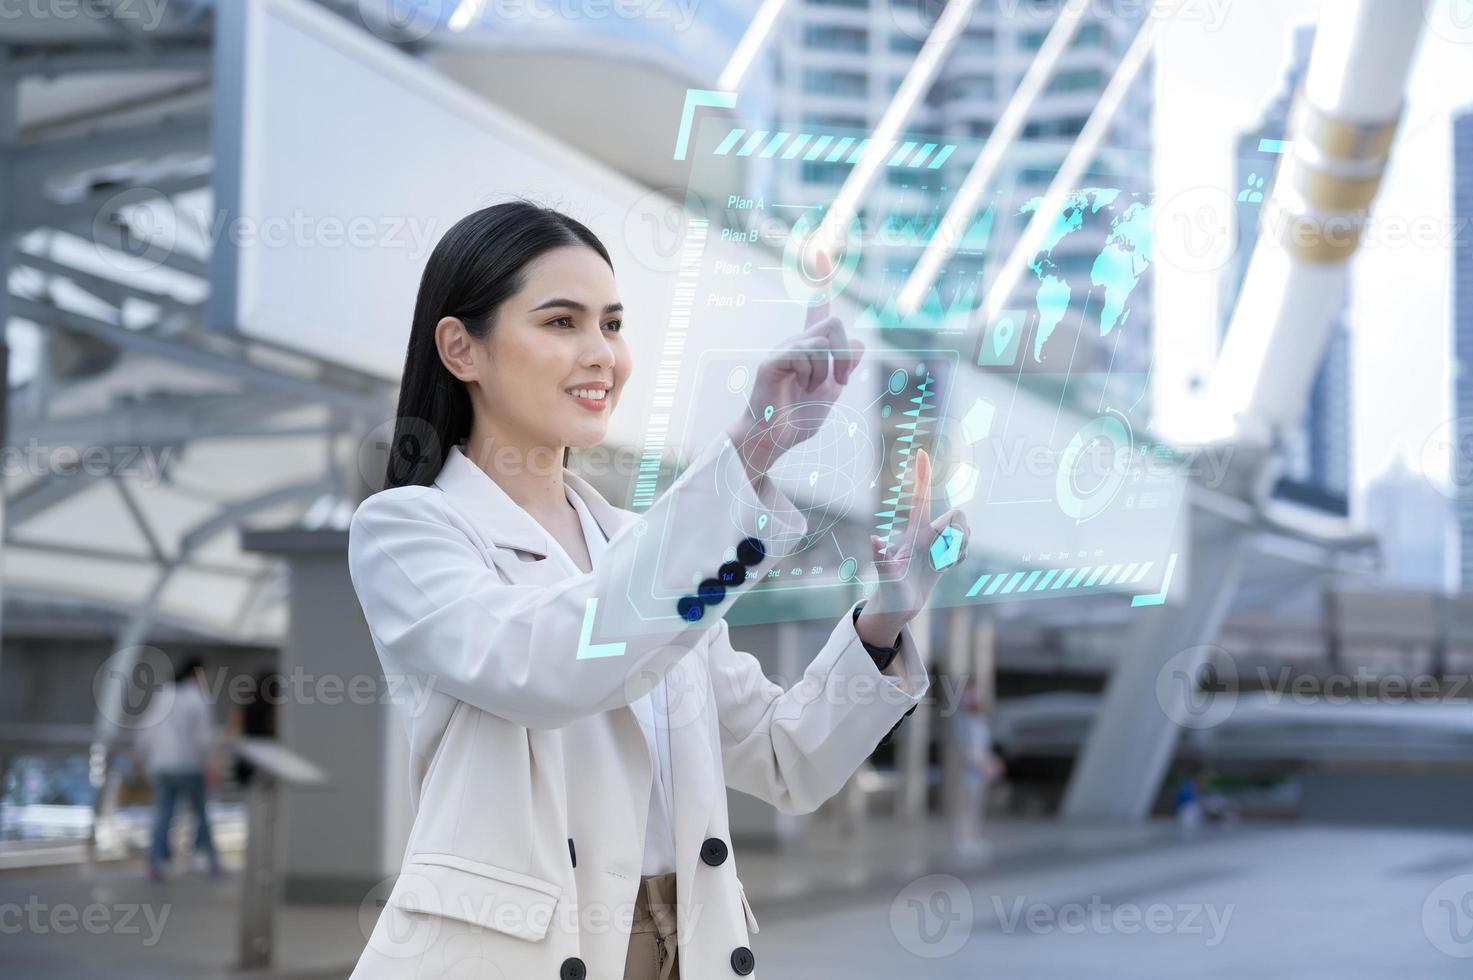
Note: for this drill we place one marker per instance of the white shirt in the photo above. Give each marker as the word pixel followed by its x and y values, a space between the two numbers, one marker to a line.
pixel 175 734
pixel 652 711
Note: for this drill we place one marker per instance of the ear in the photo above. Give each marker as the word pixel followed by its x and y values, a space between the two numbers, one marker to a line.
pixel 456 348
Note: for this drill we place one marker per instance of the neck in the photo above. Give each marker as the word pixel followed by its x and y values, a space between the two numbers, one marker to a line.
pixel 529 472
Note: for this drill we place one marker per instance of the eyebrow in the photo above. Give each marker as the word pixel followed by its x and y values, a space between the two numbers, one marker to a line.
pixel 573 304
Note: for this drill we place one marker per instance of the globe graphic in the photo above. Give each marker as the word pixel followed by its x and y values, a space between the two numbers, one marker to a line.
pixel 821 475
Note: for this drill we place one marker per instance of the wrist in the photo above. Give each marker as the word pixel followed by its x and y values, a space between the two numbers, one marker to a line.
pixel 754 455
pixel 878 630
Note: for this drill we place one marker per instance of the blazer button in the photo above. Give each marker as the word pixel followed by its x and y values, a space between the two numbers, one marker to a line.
pixel 713 851
pixel 731 573
pixel 690 608
pixel 711 591
pixel 573 969
pixel 742 960
pixel 751 551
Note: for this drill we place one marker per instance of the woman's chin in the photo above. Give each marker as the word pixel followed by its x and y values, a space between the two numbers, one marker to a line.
pixel 586 436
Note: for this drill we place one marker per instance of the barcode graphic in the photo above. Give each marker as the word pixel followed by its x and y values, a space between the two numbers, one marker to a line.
pixel 667 375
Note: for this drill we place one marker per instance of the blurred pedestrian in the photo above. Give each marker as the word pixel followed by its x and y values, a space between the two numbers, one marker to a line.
pixel 981 767
pixel 177 743
pixel 1189 811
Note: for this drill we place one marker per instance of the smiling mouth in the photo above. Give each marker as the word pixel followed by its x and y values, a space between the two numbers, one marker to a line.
pixel 594 399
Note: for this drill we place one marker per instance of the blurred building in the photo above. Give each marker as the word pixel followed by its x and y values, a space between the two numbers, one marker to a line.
pixel 614 56
pixel 1317 458
pixel 1462 310
pixel 1415 525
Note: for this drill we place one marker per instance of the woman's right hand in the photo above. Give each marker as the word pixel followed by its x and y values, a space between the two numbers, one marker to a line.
pixel 796 386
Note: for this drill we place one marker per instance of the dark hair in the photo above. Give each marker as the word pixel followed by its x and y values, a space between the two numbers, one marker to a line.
pixel 186 670
pixel 473 269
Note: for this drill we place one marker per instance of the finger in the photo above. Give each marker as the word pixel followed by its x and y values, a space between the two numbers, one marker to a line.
pixel 850 361
pixel 842 348
pixel 882 553
pixel 818 307
pixel 921 501
pixel 954 516
pixel 802 366
pixel 819 354
pixel 793 359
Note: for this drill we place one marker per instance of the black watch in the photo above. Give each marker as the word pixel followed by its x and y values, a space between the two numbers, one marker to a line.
pixel 881 655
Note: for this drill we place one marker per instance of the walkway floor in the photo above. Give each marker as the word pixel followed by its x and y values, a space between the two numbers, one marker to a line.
pixel 1046 902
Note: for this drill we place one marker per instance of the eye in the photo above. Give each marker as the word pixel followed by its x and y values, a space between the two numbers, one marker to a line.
pixel 561 321
pixel 614 325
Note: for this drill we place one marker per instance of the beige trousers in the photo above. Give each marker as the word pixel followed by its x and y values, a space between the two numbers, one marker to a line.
pixel 652 954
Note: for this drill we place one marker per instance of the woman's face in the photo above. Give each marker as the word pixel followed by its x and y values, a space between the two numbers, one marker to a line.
pixel 552 367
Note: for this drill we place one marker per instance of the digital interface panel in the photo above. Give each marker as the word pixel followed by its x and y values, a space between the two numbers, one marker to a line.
pixel 1036 419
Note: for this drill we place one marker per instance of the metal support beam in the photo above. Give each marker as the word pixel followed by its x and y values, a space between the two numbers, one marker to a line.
pixel 942 245
pixel 1153 688
pixel 103 145
pixel 110 291
pixel 115 235
pixel 54 61
pixel 170 419
pixel 834 230
pixel 1076 164
pixel 180 352
pixel 8 111
pixel 33 211
pixel 1344 125
pixel 1342 136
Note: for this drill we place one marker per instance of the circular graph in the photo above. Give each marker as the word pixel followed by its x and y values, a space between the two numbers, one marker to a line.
pixel 1093 467
pixel 821 475
pixel 800 274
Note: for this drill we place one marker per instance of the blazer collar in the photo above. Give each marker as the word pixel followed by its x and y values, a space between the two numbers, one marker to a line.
pixel 502 520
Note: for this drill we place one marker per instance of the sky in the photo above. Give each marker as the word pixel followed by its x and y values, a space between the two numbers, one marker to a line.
pixel 1214 76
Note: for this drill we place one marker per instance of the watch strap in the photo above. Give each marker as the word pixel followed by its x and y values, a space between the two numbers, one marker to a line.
pixel 881 655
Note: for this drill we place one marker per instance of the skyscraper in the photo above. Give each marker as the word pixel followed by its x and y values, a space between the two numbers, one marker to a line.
pixel 1413 522
pixel 1317 470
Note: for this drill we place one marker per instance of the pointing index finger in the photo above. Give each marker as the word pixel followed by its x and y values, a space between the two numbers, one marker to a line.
pixel 818 307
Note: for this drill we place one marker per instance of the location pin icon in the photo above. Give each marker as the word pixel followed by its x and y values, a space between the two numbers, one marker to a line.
pixel 761 521
pixel 767 414
pixel 852 427
pixel 813 478
pixel 1002 336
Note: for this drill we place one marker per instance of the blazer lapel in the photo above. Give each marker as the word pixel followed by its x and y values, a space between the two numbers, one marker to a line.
pixel 500 520
pixel 507 529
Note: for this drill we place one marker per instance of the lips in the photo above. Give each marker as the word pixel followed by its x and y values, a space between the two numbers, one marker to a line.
pixel 592 397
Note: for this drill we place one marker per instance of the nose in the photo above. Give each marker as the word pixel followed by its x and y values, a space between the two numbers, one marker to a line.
pixel 597 352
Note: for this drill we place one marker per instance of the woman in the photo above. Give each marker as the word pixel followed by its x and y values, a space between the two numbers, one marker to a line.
pixel 569 791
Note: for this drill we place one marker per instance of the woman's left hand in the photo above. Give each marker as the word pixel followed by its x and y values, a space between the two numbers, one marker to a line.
pixel 898 599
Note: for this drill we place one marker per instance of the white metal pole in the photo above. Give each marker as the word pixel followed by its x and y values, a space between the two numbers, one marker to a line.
pixel 833 231
pixel 1072 170
pixel 749 46
pixel 1344 124
pixel 943 244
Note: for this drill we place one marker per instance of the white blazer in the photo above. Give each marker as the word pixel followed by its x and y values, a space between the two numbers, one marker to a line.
pixel 530 774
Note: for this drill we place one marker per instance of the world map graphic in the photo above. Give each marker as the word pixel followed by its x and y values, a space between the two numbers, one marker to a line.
pixel 1124 221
